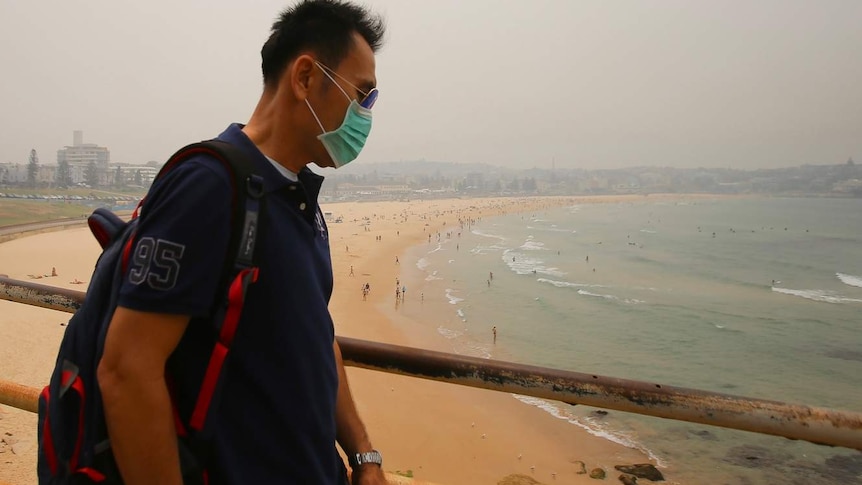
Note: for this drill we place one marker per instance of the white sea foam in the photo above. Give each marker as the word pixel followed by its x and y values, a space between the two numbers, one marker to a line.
pixel 422 263
pixel 647 231
pixel 817 295
pixel 453 300
pixel 567 284
pixel 451 261
pixel 449 333
pixel 477 350
pixel 598 295
pixel 433 276
pixel 591 426
pixel 850 279
pixel 533 246
pixel 485 234
pixel 461 314
pixel 629 301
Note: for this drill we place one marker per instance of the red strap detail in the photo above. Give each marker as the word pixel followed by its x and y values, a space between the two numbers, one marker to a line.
pixel 206 476
pixel 93 474
pixel 99 231
pixel 236 297
pixel 47 438
pixel 235 300
pixel 78 385
pixel 64 378
pixel 199 415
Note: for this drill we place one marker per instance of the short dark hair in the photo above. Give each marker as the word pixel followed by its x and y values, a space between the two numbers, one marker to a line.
pixel 325 27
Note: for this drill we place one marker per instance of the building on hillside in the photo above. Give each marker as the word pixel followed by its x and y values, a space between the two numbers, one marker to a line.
pixel 81 155
pixel 132 175
pixel 17 174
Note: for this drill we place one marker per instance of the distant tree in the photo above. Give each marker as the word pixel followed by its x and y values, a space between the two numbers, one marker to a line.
pixel 515 185
pixel 139 180
pixel 32 168
pixel 529 184
pixel 63 176
pixel 91 175
pixel 119 177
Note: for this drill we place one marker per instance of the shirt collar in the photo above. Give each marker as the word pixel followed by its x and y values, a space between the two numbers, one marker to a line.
pixel 273 179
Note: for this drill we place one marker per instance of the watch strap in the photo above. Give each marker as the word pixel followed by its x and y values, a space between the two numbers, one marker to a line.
pixel 357 459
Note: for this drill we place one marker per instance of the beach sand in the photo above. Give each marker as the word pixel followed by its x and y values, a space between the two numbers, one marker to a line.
pixel 442 433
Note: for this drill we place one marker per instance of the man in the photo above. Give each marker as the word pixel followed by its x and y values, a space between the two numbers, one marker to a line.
pixel 285 398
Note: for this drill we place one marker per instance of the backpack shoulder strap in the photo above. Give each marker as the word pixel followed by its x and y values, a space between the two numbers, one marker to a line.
pixel 239 271
pixel 246 195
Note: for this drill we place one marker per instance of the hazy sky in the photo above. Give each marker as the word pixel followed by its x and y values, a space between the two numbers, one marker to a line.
pixel 589 84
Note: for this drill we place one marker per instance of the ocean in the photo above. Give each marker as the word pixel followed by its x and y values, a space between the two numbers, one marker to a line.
pixel 758 297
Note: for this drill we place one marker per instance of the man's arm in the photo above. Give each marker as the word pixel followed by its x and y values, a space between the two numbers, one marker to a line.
pixel 137 404
pixel 350 431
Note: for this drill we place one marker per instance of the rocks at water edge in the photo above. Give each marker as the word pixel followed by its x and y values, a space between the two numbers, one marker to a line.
pixel 628 479
pixel 597 473
pixel 518 480
pixel 580 467
pixel 642 470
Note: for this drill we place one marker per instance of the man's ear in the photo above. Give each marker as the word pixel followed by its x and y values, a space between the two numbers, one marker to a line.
pixel 301 74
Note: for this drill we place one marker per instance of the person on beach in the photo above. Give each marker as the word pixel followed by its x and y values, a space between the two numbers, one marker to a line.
pixel 494 331
pixel 286 400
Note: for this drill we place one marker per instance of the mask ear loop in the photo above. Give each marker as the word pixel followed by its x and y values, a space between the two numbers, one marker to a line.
pixel 322 129
pixel 336 82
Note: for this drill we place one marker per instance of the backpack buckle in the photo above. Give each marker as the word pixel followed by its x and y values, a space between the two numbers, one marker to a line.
pixel 254 186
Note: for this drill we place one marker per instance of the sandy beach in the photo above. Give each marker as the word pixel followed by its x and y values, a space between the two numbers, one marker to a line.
pixel 442 433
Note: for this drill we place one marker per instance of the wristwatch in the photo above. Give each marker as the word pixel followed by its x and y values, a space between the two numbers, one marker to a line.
pixel 358 459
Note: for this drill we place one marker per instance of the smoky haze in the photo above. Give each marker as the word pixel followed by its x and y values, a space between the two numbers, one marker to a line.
pixel 599 84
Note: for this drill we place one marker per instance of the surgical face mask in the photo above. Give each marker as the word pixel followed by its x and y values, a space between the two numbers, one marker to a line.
pixel 344 143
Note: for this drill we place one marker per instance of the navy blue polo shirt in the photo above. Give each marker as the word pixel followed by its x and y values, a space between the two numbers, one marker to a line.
pixel 275 420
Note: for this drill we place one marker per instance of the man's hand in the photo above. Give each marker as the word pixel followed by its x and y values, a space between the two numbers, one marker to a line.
pixel 368 474
pixel 350 430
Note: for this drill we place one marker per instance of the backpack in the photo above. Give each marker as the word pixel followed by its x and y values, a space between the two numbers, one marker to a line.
pixel 73 441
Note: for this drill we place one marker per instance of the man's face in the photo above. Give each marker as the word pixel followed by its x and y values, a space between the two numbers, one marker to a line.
pixel 328 101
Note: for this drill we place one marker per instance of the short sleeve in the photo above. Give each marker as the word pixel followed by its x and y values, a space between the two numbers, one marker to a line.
pixel 181 242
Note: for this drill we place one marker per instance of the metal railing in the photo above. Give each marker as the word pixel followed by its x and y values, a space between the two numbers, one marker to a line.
pixel 817 425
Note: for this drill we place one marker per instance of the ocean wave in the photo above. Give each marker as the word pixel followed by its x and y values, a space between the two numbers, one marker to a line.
pixel 850 279
pixel 461 314
pixel 449 333
pixel 475 350
pixel 648 231
pixel 630 301
pixel 485 234
pixel 433 276
pixel 453 300
pixel 533 246
pixel 422 263
pixel 522 264
pixel 567 284
pixel 817 295
pixel 591 426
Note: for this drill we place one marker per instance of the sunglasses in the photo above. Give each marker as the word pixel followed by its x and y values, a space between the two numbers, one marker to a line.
pixel 368 98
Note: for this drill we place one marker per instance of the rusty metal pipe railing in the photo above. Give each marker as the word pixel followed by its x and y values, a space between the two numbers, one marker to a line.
pixel 19 396
pixel 817 425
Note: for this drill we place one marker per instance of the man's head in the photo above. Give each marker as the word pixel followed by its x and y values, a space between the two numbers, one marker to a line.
pixel 318 59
